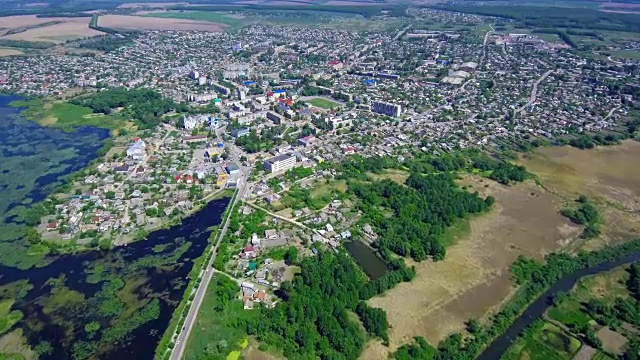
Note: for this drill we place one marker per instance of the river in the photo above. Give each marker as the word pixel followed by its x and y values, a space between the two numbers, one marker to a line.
pixel 542 303
pixel 108 304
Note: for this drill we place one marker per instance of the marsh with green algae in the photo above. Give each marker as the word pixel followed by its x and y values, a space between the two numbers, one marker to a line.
pixel 95 304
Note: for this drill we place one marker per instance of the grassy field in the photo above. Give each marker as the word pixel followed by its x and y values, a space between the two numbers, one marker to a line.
pixel 323 103
pixel 474 278
pixel 602 174
pixel 214 336
pixel 67 116
pixel 395 175
pixel 322 188
pixel 544 342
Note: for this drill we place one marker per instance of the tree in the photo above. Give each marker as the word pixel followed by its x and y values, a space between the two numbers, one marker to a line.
pixel 291 256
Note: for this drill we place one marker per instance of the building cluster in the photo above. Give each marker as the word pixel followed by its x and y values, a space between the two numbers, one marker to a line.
pixel 297 97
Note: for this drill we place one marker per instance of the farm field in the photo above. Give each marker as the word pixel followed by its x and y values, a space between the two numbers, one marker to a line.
pixel 323 103
pixel 57 33
pixel 61 29
pixel 474 278
pixel 233 22
pixel 150 5
pixel 149 23
pixel 9 52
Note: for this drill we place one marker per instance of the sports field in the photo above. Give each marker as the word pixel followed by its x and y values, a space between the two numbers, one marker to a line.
pixel 323 103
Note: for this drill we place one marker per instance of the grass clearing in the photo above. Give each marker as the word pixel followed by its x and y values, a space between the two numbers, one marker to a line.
pixel 395 175
pixel 322 188
pixel 214 337
pixel 544 342
pixel 474 278
pixel 66 115
pixel 323 103
pixel 612 341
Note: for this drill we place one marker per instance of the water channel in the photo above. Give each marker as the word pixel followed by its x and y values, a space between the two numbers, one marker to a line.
pixel 540 305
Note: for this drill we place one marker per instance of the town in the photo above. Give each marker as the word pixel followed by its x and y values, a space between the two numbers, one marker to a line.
pixel 269 109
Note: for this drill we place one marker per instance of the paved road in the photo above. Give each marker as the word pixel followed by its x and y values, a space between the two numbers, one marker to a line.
pixel 401 32
pixel 183 335
pixel 534 91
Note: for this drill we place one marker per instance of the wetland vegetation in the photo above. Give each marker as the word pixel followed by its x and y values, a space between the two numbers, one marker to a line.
pixel 92 304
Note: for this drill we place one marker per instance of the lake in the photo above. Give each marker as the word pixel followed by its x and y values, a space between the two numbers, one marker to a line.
pixel 112 304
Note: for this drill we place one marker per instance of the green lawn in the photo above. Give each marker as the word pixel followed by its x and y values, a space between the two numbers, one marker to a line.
pixel 323 103
pixel 66 115
pixel 214 336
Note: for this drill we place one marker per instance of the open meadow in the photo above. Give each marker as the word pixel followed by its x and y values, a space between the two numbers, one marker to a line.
pixel 605 174
pixel 474 278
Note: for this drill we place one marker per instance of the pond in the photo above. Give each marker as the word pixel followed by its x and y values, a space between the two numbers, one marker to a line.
pixel 372 265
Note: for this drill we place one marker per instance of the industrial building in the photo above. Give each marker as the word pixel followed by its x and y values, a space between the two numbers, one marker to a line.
pixel 280 163
pixel 385 108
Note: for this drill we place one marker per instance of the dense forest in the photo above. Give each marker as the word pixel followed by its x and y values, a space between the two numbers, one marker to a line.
pixel 105 43
pixel 422 211
pixel 501 171
pixel 314 319
pixel 143 105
